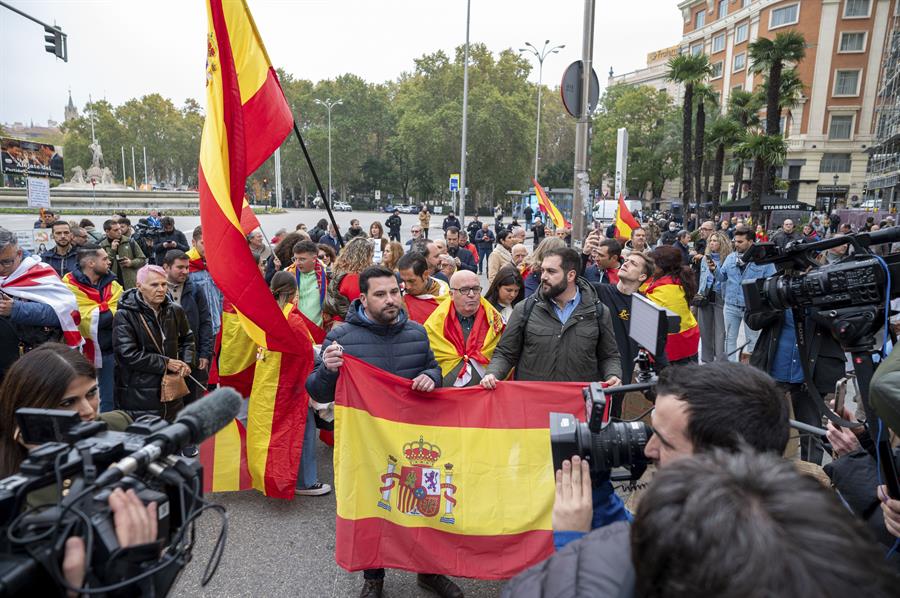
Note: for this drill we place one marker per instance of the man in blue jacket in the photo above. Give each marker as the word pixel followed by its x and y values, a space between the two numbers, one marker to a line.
pixel 378 331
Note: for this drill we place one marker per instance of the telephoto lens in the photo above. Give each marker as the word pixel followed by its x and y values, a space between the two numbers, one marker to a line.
pixel 617 444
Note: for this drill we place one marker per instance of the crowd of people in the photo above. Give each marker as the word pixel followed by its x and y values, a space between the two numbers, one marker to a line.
pixel 475 305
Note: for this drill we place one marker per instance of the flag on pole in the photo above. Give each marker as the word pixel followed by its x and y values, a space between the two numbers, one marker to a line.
pixel 548 208
pixel 249 221
pixel 458 481
pixel 625 222
pixel 247 118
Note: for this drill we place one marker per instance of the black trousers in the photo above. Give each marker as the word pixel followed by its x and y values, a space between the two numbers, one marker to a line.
pixel 805 411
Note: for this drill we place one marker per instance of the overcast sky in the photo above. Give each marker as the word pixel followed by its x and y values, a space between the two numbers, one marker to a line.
pixel 127 48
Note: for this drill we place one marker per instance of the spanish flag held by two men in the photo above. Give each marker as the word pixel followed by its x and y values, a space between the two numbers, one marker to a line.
pixel 247 118
pixel 458 481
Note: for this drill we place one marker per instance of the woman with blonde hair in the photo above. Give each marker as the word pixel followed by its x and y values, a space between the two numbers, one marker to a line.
pixel 343 288
pixel 709 301
pixel 392 254
pixel 532 272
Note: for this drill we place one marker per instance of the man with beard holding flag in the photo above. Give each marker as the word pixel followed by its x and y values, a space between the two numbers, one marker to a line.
pixel 463 332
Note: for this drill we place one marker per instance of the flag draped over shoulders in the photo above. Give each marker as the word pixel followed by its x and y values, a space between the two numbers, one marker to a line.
pixel 90 305
pixel 449 345
pixel 420 307
pixel 667 292
pixel 33 280
pixel 458 481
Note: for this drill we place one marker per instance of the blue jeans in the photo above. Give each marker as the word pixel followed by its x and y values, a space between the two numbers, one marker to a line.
pixel 308 473
pixel 734 317
pixel 106 380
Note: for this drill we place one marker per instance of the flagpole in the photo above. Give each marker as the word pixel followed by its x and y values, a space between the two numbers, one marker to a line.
pixel 312 169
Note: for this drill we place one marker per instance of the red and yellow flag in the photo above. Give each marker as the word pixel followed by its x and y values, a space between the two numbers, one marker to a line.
pixel 667 292
pixel 446 339
pixel 247 118
pixel 548 208
pixel 458 481
pixel 90 305
pixel 224 460
pixel 625 222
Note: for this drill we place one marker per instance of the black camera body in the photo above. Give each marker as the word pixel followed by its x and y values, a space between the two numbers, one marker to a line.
pixel 605 444
pixel 74 453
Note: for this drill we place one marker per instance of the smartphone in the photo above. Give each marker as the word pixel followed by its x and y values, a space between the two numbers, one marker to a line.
pixel 840 395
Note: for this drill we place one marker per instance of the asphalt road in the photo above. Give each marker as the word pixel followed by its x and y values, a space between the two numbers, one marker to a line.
pixel 286 548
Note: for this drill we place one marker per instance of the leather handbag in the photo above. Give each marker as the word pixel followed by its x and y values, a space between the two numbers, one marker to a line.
pixel 173 386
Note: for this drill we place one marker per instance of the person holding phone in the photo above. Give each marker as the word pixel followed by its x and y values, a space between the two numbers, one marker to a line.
pixel 709 302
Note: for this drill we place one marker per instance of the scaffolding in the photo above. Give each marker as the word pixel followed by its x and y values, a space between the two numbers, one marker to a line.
pixel 883 171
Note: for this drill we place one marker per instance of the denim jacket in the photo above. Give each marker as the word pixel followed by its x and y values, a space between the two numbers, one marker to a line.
pixel 731 277
pixel 707 278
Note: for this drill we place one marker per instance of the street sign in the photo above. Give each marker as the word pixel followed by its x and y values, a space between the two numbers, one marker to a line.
pixel 454 182
pixel 377 194
pixel 38 192
pixel 570 89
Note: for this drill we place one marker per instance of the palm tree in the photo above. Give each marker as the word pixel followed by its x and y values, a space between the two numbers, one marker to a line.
pixel 703 95
pixel 763 150
pixel 724 132
pixel 743 107
pixel 768 56
pixel 689 70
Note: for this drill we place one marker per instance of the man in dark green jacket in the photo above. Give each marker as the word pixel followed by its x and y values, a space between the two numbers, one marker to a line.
pixel 124 253
pixel 562 333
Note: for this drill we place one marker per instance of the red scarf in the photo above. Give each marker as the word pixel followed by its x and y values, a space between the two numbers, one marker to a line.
pixel 419 309
pixel 470 349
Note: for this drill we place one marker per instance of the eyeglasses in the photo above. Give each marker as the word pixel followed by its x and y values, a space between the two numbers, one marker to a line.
pixel 468 290
pixel 416 231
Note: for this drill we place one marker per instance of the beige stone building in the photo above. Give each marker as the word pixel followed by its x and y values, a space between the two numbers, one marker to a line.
pixel 830 129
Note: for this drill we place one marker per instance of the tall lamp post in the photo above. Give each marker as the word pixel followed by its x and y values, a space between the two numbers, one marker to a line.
pixel 328 106
pixel 540 55
pixel 465 114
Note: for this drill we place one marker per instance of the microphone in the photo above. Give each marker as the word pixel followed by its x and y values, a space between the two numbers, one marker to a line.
pixel 197 422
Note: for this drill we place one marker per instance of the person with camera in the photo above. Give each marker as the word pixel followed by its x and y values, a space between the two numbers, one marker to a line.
pixel 699 408
pixel 35 305
pixel 126 255
pixel 153 345
pixel 749 524
pixel 379 332
pixel 731 274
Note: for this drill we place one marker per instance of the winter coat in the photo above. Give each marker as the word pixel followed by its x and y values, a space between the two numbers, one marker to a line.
pixel 393 223
pixel 599 564
pixel 450 221
pixel 139 365
pixel 581 350
pixel 401 348
pixel 484 240
pixel 424 219
pixel 127 248
pixel 63 264
pixel 196 308
pixel 159 252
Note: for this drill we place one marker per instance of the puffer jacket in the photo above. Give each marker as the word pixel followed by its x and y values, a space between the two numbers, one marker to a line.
pixel 599 564
pixel 581 350
pixel 139 366
pixel 401 348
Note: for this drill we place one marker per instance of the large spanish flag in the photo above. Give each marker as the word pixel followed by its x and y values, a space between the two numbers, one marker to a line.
pixel 224 460
pixel 625 222
pixel 667 292
pixel 458 481
pixel 237 352
pixel 548 207
pixel 247 118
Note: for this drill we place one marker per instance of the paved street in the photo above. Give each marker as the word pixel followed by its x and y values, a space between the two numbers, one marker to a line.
pixel 286 548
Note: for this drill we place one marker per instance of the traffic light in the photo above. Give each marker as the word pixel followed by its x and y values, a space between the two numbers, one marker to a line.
pixel 56 42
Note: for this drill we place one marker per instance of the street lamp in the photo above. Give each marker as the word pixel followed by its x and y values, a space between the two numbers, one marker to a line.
pixel 834 192
pixel 544 52
pixel 328 106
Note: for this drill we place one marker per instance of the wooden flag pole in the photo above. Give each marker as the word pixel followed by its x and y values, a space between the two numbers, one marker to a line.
pixel 312 169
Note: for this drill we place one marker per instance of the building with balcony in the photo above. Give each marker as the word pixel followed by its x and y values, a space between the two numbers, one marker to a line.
pixel 833 125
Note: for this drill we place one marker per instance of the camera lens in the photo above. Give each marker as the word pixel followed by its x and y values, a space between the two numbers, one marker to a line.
pixel 620 444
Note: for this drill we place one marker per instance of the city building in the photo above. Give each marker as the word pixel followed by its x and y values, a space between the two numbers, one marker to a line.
pixel 830 129
pixel 883 176
pixel 653 75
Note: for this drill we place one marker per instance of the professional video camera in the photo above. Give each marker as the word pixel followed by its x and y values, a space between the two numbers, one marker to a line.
pixel 850 297
pixel 84 462
pixel 604 443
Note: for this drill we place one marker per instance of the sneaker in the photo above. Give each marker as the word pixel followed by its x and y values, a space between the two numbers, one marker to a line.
pixel 190 451
pixel 372 588
pixel 317 489
pixel 439 584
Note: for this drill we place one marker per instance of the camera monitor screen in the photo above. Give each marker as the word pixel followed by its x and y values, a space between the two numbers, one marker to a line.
pixel 649 324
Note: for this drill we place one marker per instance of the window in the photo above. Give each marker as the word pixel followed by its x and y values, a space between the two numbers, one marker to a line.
pixel 696 49
pixel 723 8
pixel 740 61
pixel 716 70
pixel 841 127
pixel 737 88
pixel 854 41
pixel 835 163
pixel 700 19
pixel 745 3
pixel 718 43
pixel 785 15
pixel 856 9
pixel 846 83
pixel 740 33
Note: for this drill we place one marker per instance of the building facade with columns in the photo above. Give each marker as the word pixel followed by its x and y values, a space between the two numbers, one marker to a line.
pixel 833 124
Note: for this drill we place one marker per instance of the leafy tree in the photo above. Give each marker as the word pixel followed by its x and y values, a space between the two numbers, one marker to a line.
pixel 723 133
pixel 688 70
pixel 743 107
pixel 763 150
pixel 703 96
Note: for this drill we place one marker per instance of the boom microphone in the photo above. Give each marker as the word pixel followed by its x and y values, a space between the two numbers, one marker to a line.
pixel 197 422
